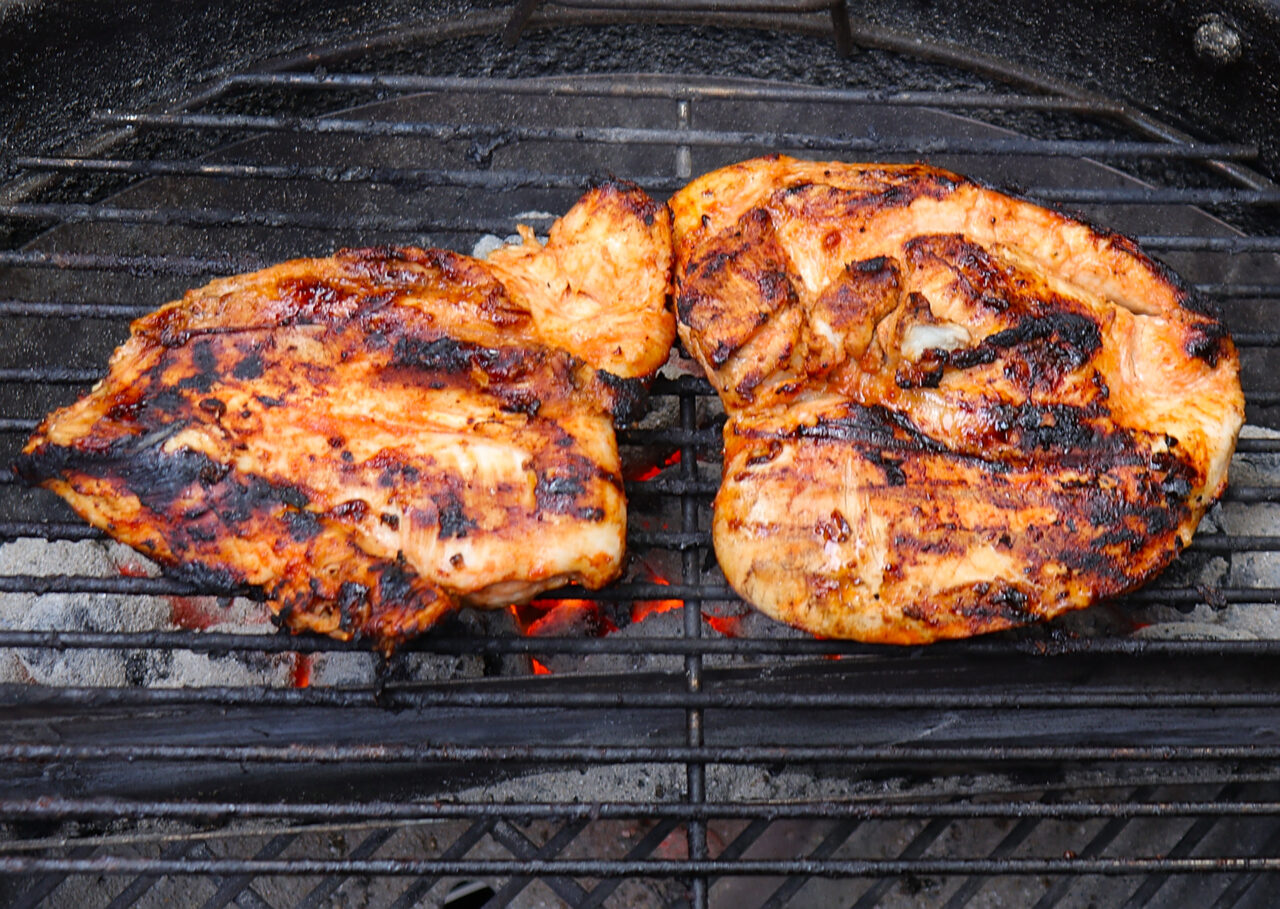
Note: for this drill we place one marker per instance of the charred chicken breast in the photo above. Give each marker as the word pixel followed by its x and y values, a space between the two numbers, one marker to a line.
pixel 373 438
pixel 950 411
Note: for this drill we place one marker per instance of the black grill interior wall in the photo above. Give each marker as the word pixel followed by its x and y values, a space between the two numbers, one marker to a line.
pixel 1124 756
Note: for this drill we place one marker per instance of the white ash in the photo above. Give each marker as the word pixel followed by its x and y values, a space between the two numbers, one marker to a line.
pixel 489 242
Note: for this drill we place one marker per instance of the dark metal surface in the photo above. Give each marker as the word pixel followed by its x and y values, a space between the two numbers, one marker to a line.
pixel 769 757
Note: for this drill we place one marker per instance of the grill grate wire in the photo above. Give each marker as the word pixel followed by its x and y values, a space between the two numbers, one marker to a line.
pixel 699 693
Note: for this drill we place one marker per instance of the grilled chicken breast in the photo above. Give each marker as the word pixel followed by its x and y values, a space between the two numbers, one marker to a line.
pixel 373 438
pixel 950 411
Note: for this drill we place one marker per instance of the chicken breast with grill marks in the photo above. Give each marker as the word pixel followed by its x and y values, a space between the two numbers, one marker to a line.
pixel 372 439
pixel 950 411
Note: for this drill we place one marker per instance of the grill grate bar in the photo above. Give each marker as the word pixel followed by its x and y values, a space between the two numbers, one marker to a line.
pixel 49 309
pixel 490 180
pixel 697 700
pixel 224 217
pixel 138 266
pixel 617 593
pixel 636 539
pixel 215 217
pixel 695 773
pixel 1269 291
pixel 505 180
pixel 1137 806
pixel 634 754
pixel 1190 243
pixel 844 868
pixel 212 642
pixel 218 642
pixel 704 138
pixel 639 88
pixel 1153 196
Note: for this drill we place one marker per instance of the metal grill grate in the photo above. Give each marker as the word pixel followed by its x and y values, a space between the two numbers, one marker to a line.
pixel 669 760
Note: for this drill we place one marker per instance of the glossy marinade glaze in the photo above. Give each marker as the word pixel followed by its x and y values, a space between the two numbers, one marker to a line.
pixel 950 411
pixel 371 439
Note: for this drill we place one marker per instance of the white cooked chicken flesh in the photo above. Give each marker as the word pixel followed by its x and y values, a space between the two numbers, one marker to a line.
pixel 950 411
pixel 371 439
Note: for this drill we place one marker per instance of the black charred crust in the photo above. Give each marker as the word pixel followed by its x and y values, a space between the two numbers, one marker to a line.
pixel 559 493
pixel 453 520
pixel 395 584
pixel 213 473
pixel 1097 563
pixel 898 190
pixel 397 472
pixel 207 371
pixel 873 266
pixel 250 367
pixel 302 525
pixel 629 398
pixel 1122 536
pixel 161 480
pixel 353 605
pixel 269 401
pixel 1060 429
pixel 165 401
pixel 1189 298
pixel 874 426
pixel 1077 335
pixel 969 357
pixel 686 302
pixel 999 601
pixel 1207 341
pixel 892 467
pixel 520 400
pixel 442 354
pixel 925 373
pixel 722 352
pixel 593 514
pixel 390 520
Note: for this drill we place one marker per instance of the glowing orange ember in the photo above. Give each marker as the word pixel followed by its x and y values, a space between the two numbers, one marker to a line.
pixel 562 618
pixel 133 570
pixel 539 668
pixel 300 672
pixel 642 609
pixel 728 625
pixel 652 471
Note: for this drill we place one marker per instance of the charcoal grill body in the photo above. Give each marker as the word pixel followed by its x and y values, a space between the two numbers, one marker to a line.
pixel 150 146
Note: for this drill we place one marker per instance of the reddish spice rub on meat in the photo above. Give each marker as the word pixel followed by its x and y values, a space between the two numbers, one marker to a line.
pixel 371 439
pixel 950 411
